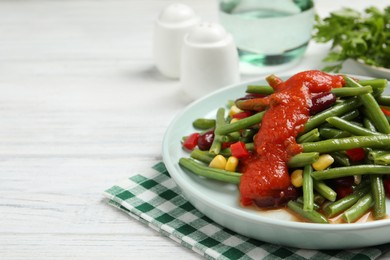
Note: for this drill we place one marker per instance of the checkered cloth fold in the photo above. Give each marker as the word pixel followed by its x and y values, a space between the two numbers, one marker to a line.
pixel 154 199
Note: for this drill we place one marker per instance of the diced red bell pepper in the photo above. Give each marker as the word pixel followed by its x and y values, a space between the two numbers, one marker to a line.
pixel 191 141
pixel 356 154
pixel 239 150
pixel 225 145
pixel 242 114
pixel 385 111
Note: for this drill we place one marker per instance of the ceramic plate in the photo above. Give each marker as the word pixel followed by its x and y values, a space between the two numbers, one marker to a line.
pixel 375 71
pixel 220 201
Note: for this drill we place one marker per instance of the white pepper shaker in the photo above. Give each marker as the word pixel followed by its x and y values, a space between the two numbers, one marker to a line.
pixel 209 60
pixel 173 23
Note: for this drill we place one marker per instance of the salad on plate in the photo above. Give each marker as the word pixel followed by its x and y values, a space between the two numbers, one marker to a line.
pixel 316 144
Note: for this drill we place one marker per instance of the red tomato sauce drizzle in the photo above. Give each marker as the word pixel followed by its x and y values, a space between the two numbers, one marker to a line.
pixel 265 174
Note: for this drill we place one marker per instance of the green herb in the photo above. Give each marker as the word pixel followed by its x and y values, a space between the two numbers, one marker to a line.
pixel 362 36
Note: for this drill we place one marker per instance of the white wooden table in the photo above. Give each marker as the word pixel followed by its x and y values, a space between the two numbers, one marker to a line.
pixel 81 107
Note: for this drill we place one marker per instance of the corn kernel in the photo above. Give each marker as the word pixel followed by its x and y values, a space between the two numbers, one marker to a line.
pixel 297 178
pixel 323 162
pixel 357 179
pixel 233 120
pixel 231 164
pixel 234 110
pixel 218 162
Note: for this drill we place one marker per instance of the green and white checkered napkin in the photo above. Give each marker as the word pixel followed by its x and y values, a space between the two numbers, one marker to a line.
pixel 154 199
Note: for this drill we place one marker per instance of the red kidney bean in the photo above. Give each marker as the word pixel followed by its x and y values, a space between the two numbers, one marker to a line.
pixel 205 140
pixel 343 186
pixel 251 96
pixel 344 181
pixel 356 154
pixel 386 184
pixel 267 202
pixel 321 102
pixel 278 199
pixel 343 191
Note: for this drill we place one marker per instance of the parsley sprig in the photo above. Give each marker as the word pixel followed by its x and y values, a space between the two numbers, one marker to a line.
pixel 362 36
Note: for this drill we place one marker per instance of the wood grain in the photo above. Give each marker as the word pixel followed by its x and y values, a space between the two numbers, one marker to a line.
pixel 81 107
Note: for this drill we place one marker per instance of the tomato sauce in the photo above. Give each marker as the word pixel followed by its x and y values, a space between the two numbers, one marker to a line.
pixel 265 178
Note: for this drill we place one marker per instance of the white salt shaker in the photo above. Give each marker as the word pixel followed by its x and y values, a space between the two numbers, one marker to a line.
pixel 209 60
pixel 173 23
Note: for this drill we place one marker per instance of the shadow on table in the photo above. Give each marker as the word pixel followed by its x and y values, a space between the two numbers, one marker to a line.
pixel 151 73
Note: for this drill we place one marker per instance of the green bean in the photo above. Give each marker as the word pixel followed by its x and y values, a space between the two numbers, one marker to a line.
pixel 345 203
pixel 357 123
pixel 273 80
pixel 203 123
pixel 265 90
pixel 347 116
pixel 341 144
pixel 212 173
pixel 349 92
pixel 366 113
pixel 203 156
pixel 358 209
pixel 350 115
pixel 370 117
pixel 369 102
pixel 234 135
pixel 331 133
pixel 296 161
pixel 220 122
pixel 311 136
pixel 230 103
pixel 324 190
pixel 319 199
pixel 248 132
pixel 313 215
pixel 337 110
pixel 376 153
pixel 379 196
pixel 307 189
pixel 379 157
pixel 247 135
pixel 221 138
pixel 368 124
pixel 349 127
pixel 378 85
pixel 315 205
pixel 340 158
pixel 383 100
pixel 246 139
pixel 302 159
pixel 240 124
pixel 338 172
